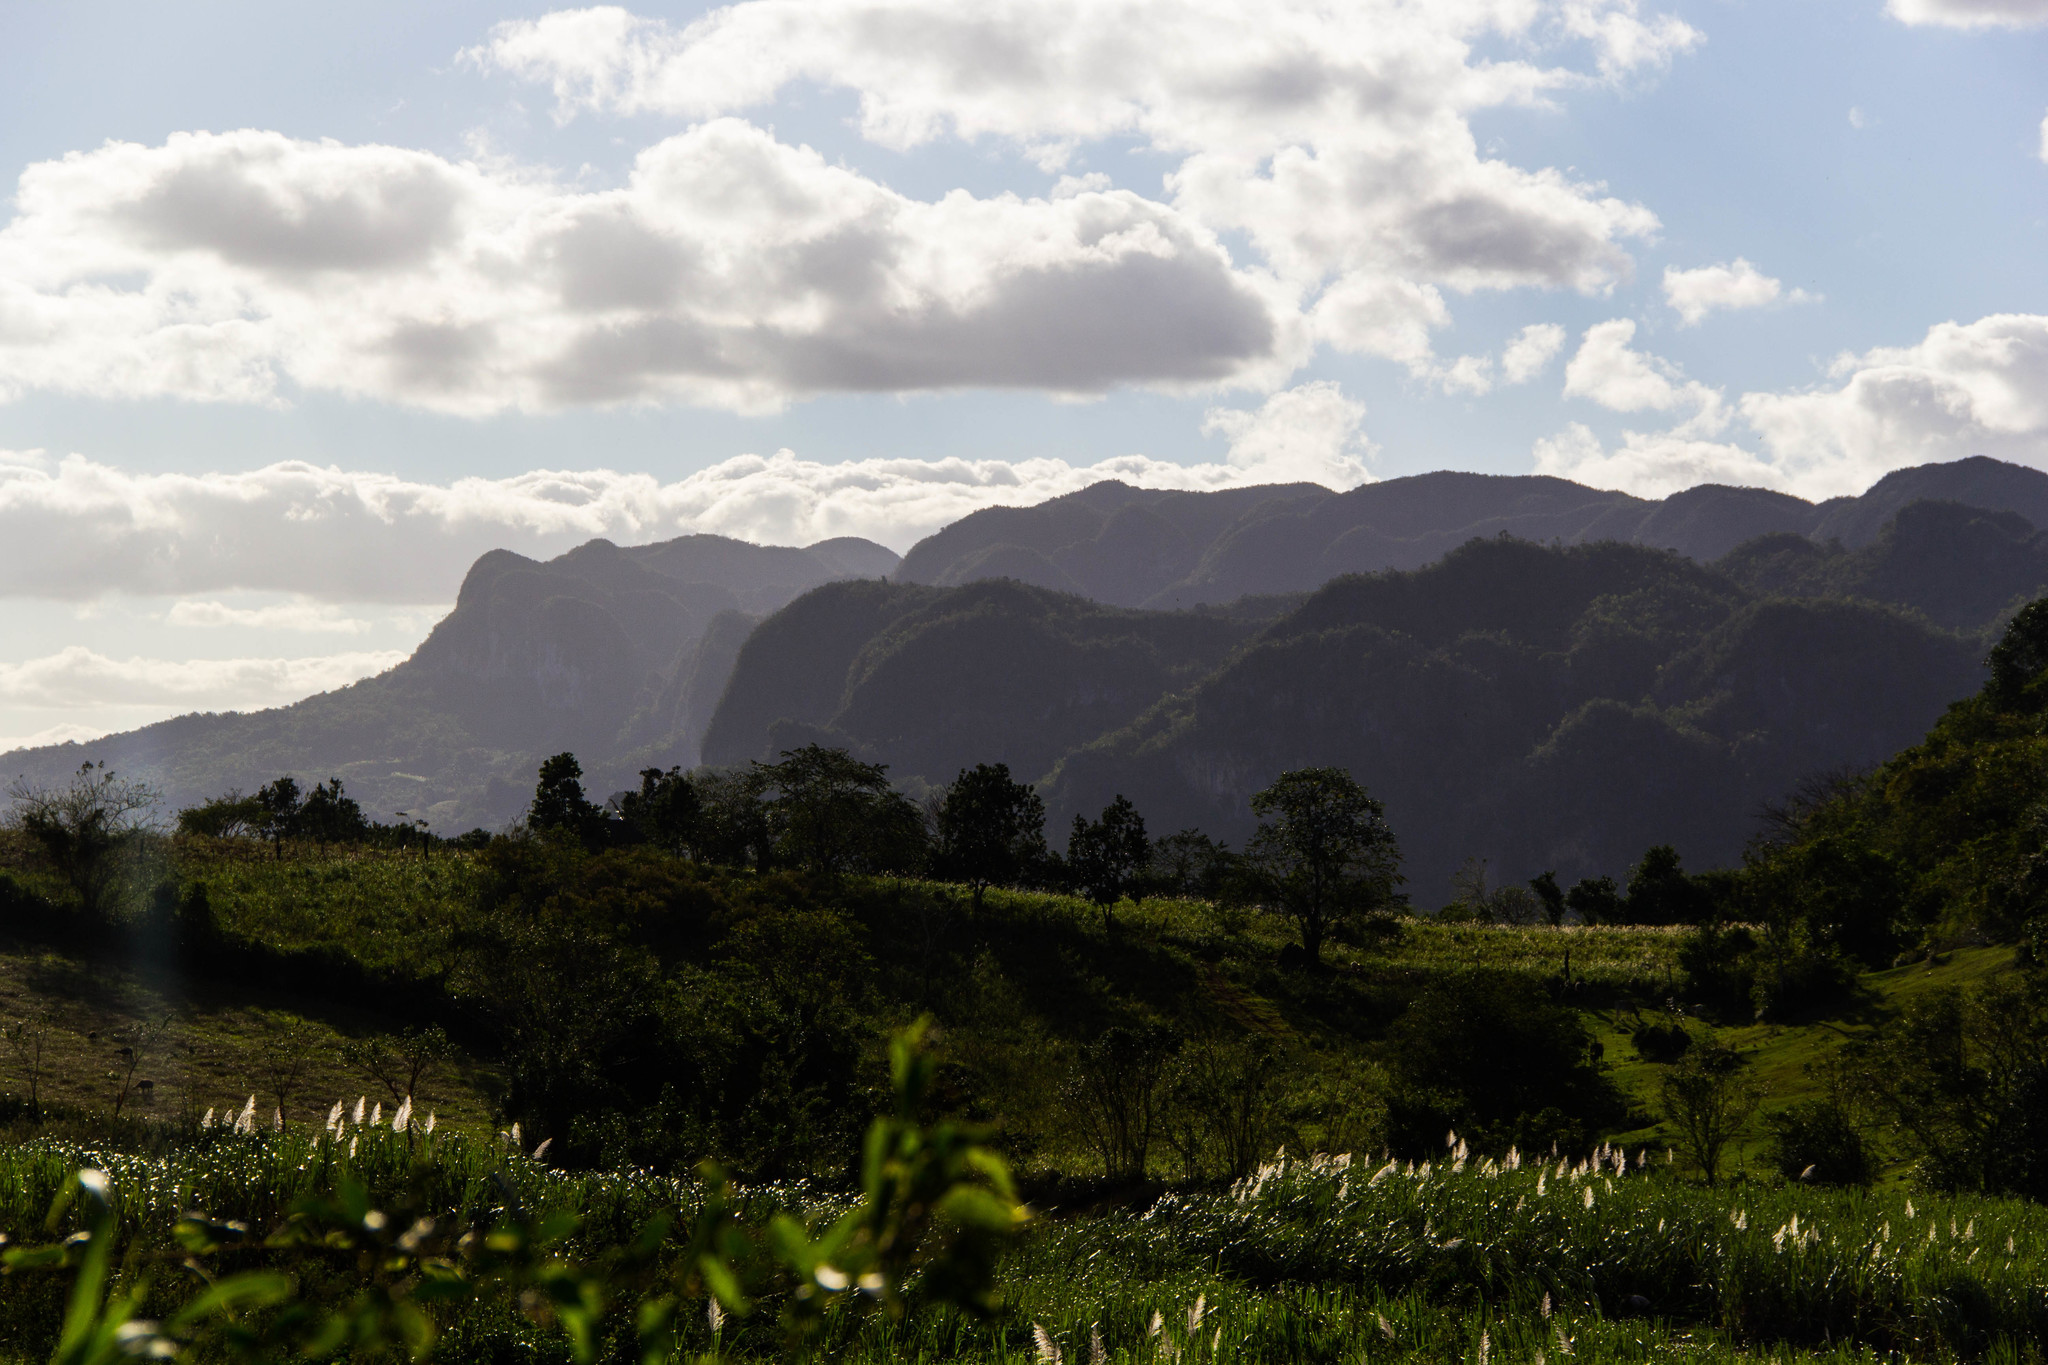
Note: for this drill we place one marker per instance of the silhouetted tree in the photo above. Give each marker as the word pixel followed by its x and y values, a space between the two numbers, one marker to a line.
pixel 1189 863
pixel 1549 896
pixel 331 816
pixel 278 806
pixel 1106 856
pixel 84 828
pixel 667 810
pixel 1323 850
pixel 991 830
pixel 1595 900
pixel 1659 892
pixel 558 800
pixel 833 813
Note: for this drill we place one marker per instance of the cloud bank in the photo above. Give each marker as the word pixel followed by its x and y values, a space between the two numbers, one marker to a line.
pixel 734 270
pixel 1978 388
pixel 74 529
pixel 79 677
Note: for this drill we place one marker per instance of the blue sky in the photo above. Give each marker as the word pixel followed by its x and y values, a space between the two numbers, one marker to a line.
pixel 1190 243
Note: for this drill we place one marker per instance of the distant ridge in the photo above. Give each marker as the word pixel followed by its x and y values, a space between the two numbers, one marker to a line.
pixel 1154 548
pixel 601 650
pixel 625 654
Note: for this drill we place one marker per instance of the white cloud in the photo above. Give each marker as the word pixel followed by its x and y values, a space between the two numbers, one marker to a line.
pixel 61 733
pixel 730 270
pixel 1650 464
pixel 1312 433
pixel 75 529
pixel 296 616
pixel 78 678
pixel 1613 374
pixel 1531 351
pixel 1695 293
pixel 2044 138
pixel 1337 139
pixel 1970 13
pixel 1978 388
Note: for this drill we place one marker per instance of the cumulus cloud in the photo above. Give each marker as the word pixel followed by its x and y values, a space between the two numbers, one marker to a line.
pixel 75 528
pixel 1978 388
pixel 1531 351
pixel 1971 13
pixel 1308 434
pixel 1615 375
pixel 1693 294
pixel 730 269
pixel 1337 139
pixel 78 678
pixel 1651 464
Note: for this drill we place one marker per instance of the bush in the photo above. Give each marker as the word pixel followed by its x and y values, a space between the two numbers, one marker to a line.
pixel 1819 1143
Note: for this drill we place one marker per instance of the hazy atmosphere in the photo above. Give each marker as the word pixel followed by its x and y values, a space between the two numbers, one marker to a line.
pixel 301 310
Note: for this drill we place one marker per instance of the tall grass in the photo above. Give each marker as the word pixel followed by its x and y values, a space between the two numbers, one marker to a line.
pixel 1309 1260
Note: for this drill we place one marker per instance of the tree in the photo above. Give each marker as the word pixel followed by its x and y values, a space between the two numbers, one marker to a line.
pixel 833 813
pixel 559 804
pixel 1105 857
pixel 284 1056
pixel 991 830
pixel 1963 1080
pixel 278 806
pixel 1709 1101
pixel 667 810
pixel 1549 896
pixel 136 1044
pixel 85 827
pixel 1595 900
pixel 228 816
pixel 329 815
pixel 401 1064
pixel 1493 1055
pixel 1659 892
pixel 28 1038
pixel 1116 1094
pixel 1189 863
pixel 1323 850
pixel 2021 654
pixel 732 827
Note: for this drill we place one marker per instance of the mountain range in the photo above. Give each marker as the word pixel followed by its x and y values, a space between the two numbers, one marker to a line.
pixel 1664 664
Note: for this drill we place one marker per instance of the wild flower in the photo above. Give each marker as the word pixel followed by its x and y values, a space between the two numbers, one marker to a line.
pixel 714 1313
pixel 402 1120
pixel 1386 1328
pixel 377 1115
pixel 1589 1196
pixel 542 1150
pixel 1197 1313
pixel 428 1126
pixel 1485 1345
pixel 334 1117
pixel 1545 1309
pixel 1048 1349
pixel 359 1111
pixel 1098 1354
pixel 1542 1178
pixel 1564 1343
pixel 1909 1210
pixel 1152 1328
pixel 207 1122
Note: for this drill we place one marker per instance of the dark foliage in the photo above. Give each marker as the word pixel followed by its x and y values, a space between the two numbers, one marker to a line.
pixel 1504 1066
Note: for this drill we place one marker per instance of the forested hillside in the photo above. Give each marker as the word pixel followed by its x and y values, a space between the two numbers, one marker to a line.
pixel 1536 708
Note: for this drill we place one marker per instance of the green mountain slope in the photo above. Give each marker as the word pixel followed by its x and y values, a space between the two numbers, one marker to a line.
pixel 1536 707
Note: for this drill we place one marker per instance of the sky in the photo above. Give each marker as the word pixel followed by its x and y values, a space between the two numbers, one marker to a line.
pixel 303 308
